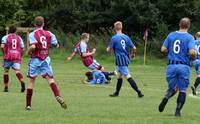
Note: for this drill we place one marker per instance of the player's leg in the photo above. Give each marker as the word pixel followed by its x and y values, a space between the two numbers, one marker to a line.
pixel 124 71
pixel 29 92
pixel 183 83
pixel 197 81
pixel 172 86
pixel 6 79
pixel 32 74
pixel 16 67
pixel 55 90
pixel 47 72
pixel 118 86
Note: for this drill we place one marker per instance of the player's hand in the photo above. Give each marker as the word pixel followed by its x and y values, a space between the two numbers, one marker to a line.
pixel 57 46
pixel 82 80
pixel 132 56
pixel 69 58
pixel 93 50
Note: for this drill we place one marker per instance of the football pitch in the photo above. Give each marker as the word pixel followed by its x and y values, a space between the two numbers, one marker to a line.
pixel 90 104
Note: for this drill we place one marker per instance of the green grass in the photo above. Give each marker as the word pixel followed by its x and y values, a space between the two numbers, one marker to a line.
pixel 90 104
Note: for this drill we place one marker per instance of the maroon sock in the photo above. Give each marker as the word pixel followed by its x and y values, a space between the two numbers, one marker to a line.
pixel 28 97
pixel 6 79
pixel 54 89
pixel 20 77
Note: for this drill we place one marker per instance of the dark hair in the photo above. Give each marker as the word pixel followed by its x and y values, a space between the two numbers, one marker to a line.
pixel 39 21
pixel 12 29
pixel 89 75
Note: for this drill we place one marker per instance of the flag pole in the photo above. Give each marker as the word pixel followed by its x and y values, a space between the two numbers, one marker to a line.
pixel 145 51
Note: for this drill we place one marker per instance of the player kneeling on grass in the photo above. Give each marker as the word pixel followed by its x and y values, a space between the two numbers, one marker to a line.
pixel 97 77
pixel 86 56
pixel 39 64
pixel 120 43
pixel 180 47
pixel 196 63
pixel 13 47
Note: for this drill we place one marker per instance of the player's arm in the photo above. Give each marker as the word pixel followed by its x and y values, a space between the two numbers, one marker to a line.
pixel 164 50
pixel 85 54
pixel 2 47
pixel 133 52
pixel 71 56
pixel 22 46
pixel 54 41
pixel 30 49
pixel 111 45
pixel 193 53
pixel 84 81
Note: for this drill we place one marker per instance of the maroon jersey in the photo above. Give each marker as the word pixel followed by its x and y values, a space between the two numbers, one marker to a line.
pixel 88 60
pixel 42 43
pixel 12 49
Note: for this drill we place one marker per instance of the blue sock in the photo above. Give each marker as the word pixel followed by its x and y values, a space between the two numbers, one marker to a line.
pixel 119 85
pixel 170 93
pixel 133 85
pixel 180 100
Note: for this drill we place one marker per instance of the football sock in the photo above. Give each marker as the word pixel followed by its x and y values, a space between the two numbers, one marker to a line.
pixel 180 100
pixel 133 85
pixel 6 79
pixel 197 82
pixel 20 77
pixel 170 93
pixel 54 89
pixel 119 85
pixel 28 97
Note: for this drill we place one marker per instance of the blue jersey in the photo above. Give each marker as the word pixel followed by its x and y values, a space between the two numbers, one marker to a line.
pixel 178 45
pixel 120 43
pixel 98 78
pixel 197 45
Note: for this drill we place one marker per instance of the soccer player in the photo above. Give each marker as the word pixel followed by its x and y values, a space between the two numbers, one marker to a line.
pixel 13 46
pixel 120 43
pixel 85 54
pixel 196 63
pixel 97 77
pixel 180 46
pixel 39 64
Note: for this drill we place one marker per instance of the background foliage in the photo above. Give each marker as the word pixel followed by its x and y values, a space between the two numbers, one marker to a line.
pixel 69 18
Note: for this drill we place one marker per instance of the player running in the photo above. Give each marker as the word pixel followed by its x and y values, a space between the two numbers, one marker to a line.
pixel 120 43
pixel 179 46
pixel 196 63
pixel 13 46
pixel 86 56
pixel 39 64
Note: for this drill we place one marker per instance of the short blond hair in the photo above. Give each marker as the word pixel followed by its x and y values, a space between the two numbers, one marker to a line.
pixel 184 23
pixel 197 35
pixel 84 35
pixel 118 25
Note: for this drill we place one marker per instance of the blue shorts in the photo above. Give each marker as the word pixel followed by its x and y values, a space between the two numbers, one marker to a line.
pixel 123 70
pixel 196 64
pixel 178 76
pixel 95 65
pixel 40 67
pixel 10 64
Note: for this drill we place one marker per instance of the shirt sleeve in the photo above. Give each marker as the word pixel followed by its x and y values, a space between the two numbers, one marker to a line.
pixel 191 44
pixel 4 40
pixel 83 47
pixel 111 44
pixel 130 43
pixel 166 42
pixel 53 39
pixel 32 39
pixel 21 43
